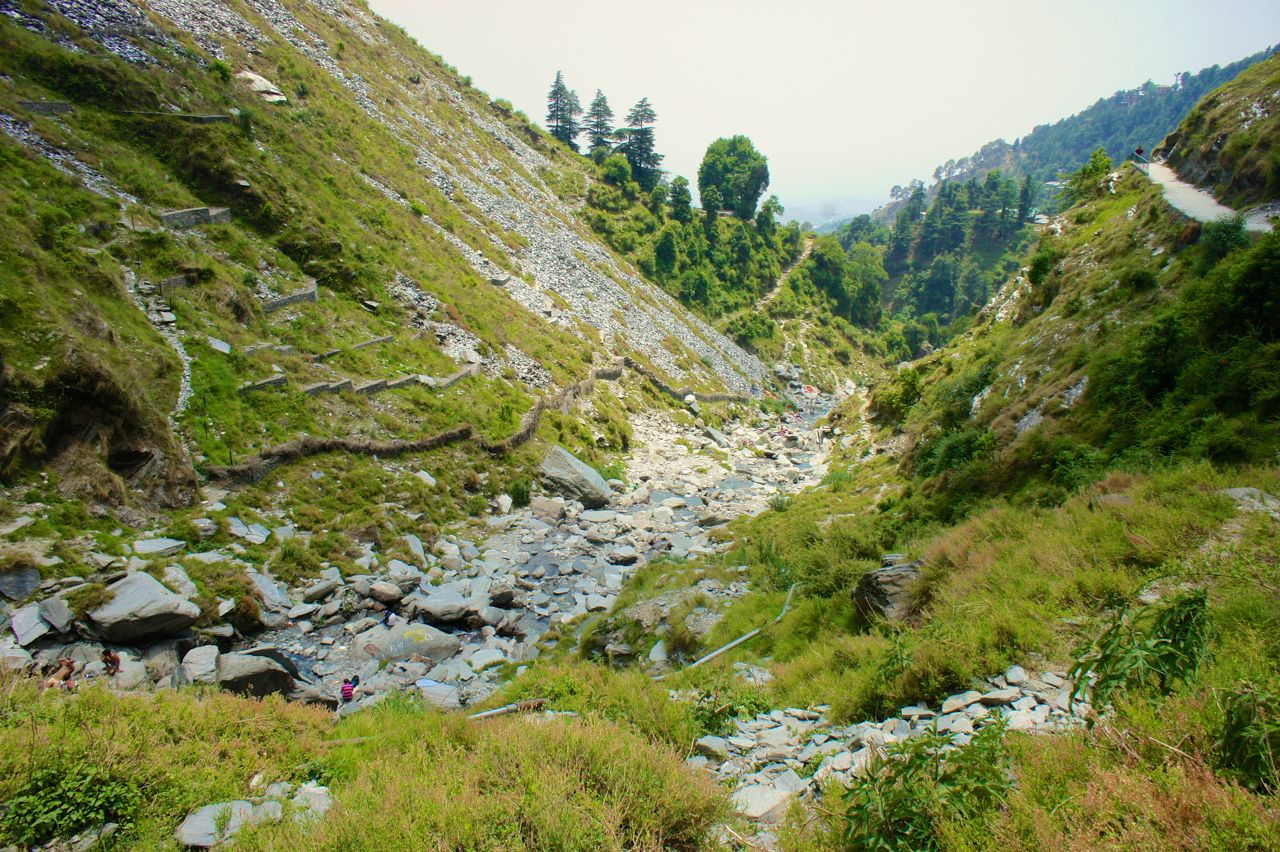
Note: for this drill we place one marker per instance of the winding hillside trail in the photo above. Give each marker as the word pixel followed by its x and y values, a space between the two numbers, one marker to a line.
pixel 764 300
pixel 768 297
pixel 1199 204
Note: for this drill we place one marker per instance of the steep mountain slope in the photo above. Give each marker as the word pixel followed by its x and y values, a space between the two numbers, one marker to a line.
pixel 407 212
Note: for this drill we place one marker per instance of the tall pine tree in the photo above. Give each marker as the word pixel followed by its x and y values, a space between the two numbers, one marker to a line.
pixel 638 147
pixel 599 124
pixel 563 110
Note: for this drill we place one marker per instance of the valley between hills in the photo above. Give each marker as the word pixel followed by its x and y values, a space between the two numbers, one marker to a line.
pixel 381 469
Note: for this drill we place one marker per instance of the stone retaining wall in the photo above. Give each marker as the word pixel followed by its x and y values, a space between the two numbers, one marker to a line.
pixel 310 293
pixel 258 466
pixel 45 107
pixel 194 216
pixel 386 338
pixel 680 393
pixel 277 381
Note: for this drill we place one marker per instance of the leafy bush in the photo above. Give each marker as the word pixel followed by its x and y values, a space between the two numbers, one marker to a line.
pixel 1249 745
pixel 60 800
pixel 956 449
pixel 780 502
pixel 1137 278
pixel 898 803
pixel 1153 647
pixel 1042 263
pixel 521 491
pixel 895 398
pixel 1219 238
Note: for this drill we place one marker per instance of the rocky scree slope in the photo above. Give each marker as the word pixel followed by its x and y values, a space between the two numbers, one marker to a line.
pixel 377 229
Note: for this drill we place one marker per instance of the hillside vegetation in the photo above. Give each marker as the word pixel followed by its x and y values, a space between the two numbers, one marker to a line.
pixel 1064 434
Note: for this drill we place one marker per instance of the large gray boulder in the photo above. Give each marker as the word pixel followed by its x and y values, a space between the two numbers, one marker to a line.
pixel 140 607
pixel 250 674
pixel 214 824
pixel 565 474
pixel 200 665
pixel 404 640
pixel 443 606
pixel 57 613
pixel 886 592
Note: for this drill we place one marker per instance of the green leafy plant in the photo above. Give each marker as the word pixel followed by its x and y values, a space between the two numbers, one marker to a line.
pixel 899 802
pixel 1151 648
pixel 1249 745
pixel 62 799
pixel 780 502
pixel 521 491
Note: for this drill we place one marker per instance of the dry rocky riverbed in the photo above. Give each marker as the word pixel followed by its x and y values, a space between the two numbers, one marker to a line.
pixel 474 602
pixel 464 607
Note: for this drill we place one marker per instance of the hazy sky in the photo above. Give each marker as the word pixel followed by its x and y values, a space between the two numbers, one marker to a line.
pixel 844 98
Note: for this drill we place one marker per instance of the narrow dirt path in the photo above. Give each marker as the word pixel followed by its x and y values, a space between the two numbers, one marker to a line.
pixel 1197 203
pixel 764 300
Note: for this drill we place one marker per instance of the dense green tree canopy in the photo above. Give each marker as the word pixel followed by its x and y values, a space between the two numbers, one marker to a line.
pixel 738 171
pixel 681 200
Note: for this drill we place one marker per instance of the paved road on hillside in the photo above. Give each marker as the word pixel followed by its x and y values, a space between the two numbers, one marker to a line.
pixel 1198 204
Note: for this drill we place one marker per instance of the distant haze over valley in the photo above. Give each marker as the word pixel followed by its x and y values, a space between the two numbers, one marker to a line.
pixel 845 100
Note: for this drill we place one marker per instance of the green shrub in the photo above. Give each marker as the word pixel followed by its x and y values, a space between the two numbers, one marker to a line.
pixel 222 70
pixel 1219 238
pixel 1249 745
pixel 520 492
pixel 1042 263
pixel 1151 648
pixel 899 802
pixel 61 799
pixel 780 502
pixel 1137 278
pixel 956 449
pixel 896 397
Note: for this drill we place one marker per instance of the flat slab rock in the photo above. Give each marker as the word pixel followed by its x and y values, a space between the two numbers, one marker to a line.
pixel 19 583
pixel 141 606
pixel 762 802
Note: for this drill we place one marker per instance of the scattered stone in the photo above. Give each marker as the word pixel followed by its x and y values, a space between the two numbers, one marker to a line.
pixel 714 747
pixel 57 613
pixel 960 701
pixel 403 641
pixel 251 674
pixel 385 592
pixel 762 802
pixel 18 523
pixel 176 578
pixel 998 697
pixel 1016 676
pixel 204 528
